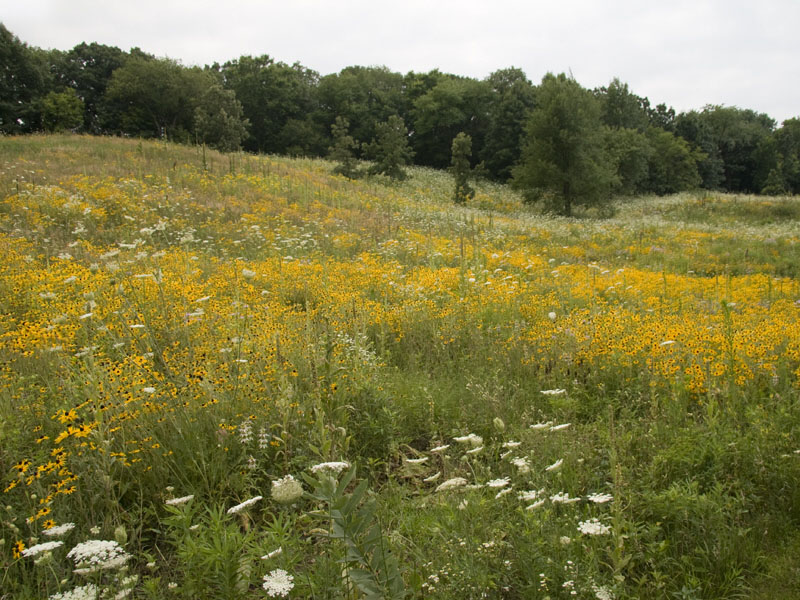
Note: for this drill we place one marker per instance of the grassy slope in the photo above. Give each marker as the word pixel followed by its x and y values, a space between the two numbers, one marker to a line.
pixel 436 323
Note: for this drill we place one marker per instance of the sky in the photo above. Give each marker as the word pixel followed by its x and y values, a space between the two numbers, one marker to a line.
pixel 684 53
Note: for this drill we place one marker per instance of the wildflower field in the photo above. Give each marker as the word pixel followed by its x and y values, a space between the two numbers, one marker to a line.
pixel 230 376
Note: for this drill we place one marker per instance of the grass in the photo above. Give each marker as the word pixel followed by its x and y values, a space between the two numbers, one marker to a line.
pixel 176 325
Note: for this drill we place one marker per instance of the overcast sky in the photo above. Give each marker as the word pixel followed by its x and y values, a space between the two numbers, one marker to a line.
pixel 685 53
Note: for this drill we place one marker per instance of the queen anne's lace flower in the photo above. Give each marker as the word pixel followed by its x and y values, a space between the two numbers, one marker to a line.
pixel 97 555
pixel 450 484
pixel 40 548
pixel 59 530
pixel 286 490
pixel 334 467
pixel 84 592
pixel 177 501
pixel 278 583
pixel 593 527
pixel 240 507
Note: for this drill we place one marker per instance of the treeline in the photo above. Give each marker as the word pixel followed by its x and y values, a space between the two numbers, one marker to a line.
pixel 554 139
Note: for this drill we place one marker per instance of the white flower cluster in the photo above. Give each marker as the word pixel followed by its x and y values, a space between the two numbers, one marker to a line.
pixel 59 530
pixel 471 439
pixel 450 484
pixel 246 432
pixel 593 527
pixel 334 467
pixel 278 583
pixel 240 507
pixel 286 490
pixel 177 501
pixel 84 592
pixel 97 555
pixel 41 548
pixel 599 498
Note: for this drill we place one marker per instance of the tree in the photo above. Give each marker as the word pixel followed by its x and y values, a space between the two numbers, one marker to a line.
pixel 279 100
pixel 343 150
pixel 512 98
pixel 390 149
pixel 156 98
pixel 87 69
pixel 622 109
pixel 22 84
pixel 453 105
pixel 218 121
pixel 672 164
pixel 564 161
pixel 62 111
pixel 631 151
pixel 460 168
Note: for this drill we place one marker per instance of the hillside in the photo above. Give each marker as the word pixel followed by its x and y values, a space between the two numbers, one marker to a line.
pixel 532 406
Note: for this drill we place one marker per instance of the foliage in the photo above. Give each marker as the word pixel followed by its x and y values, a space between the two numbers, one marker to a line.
pixel 513 97
pixel 62 111
pixel 343 150
pixel 564 160
pixel 390 150
pixel 156 97
pixel 22 82
pixel 538 405
pixel 460 168
pixel 350 517
pixel 218 119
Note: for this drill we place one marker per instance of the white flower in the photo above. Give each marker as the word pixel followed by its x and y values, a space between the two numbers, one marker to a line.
pixel 560 427
pixel 602 592
pixel 667 343
pixel 471 439
pixel 535 505
pixel 555 466
pixel 433 477
pixel 417 461
pixel 593 527
pixel 40 548
pixel 522 464
pixel 512 444
pixel 551 315
pixel 286 490
pixel 248 274
pixel 498 483
pixel 599 498
pixel 239 507
pixel 177 501
pixel 565 540
pixel 529 495
pixel 450 484
pixel 556 392
pixel 278 583
pixel 272 554
pixel 97 555
pixel 440 448
pixel 474 450
pixel 84 592
pixel 149 390
pixel 503 492
pixel 59 530
pixel 563 498
pixel 541 425
pixel 334 467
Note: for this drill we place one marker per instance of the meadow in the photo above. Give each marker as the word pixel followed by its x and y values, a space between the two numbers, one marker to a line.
pixel 236 376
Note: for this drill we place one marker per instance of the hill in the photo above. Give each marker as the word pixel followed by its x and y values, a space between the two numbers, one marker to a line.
pixel 475 401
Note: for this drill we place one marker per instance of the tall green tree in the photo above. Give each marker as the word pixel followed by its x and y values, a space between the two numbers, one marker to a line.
pixel 453 105
pixel 156 98
pixel 87 69
pixel 622 109
pixel 344 149
pixel 23 83
pixel 564 160
pixel 461 169
pixel 279 100
pixel 219 121
pixel 62 111
pixel 390 150
pixel 365 96
pixel 512 98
